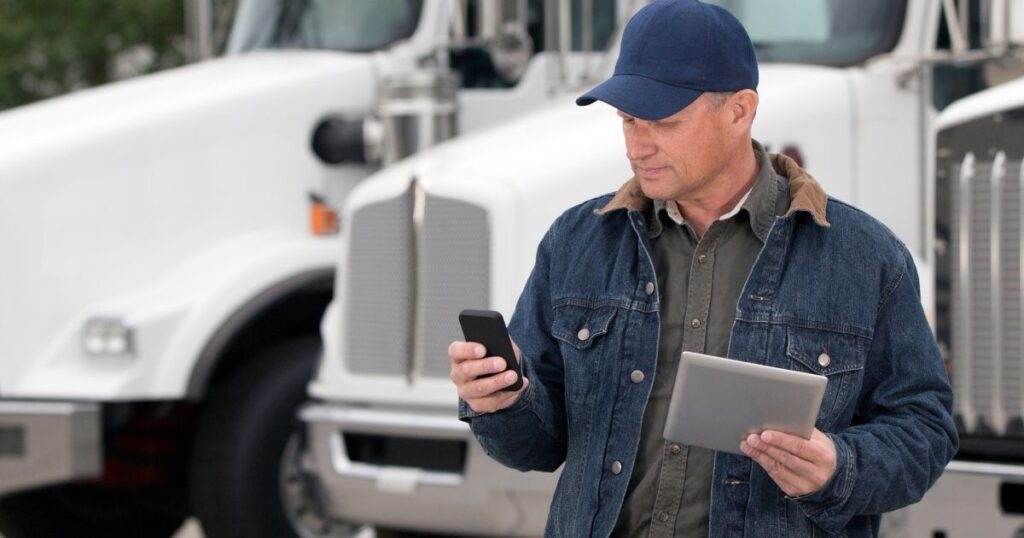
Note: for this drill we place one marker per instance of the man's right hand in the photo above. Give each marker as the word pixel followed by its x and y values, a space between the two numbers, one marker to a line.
pixel 484 395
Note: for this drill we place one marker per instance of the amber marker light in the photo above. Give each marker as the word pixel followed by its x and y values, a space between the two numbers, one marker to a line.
pixel 323 219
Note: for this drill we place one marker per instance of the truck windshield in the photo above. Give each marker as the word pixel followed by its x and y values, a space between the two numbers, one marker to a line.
pixel 825 32
pixel 350 25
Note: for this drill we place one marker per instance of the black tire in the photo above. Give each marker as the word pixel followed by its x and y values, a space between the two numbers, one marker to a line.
pixel 86 511
pixel 235 478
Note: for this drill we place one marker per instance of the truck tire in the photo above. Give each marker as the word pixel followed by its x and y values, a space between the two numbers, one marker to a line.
pixel 243 474
pixel 88 510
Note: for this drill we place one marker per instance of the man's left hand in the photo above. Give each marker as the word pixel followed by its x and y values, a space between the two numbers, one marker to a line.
pixel 799 466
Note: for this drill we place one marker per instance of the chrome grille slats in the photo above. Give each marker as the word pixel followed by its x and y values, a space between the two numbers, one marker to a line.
pixel 379 288
pixel 960 240
pixel 1013 305
pixel 414 262
pixel 981 344
pixel 453 274
pixel 987 305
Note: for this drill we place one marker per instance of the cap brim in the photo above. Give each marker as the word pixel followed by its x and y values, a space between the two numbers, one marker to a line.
pixel 641 97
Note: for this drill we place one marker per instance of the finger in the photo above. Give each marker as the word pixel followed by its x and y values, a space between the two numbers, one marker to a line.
pixel 461 351
pixel 788 481
pixel 497 401
pixel 787 442
pixel 487 386
pixel 469 370
pixel 790 460
pixel 818 449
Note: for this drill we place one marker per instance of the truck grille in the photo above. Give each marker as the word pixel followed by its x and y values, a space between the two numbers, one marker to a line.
pixel 985 284
pixel 414 263
pixel 379 288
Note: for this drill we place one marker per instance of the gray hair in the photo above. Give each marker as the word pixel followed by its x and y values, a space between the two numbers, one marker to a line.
pixel 718 99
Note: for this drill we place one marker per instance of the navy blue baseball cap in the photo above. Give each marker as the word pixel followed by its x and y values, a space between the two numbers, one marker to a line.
pixel 672 52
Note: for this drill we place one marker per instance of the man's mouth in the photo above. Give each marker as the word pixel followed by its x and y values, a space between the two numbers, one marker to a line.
pixel 648 170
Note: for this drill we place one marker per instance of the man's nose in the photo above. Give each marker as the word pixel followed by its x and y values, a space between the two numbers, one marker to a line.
pixel 638 143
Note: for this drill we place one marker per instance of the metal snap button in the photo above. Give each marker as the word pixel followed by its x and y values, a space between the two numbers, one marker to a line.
pixel 636 376
pixel 616 467
pixel 695 323
pixel 702 258
pixel 663 517
pixel 675 449
pixel 584 334
pixel 649 288
pixel 824 360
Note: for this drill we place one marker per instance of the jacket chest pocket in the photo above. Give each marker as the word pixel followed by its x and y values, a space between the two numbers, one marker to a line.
pixel 838 356
pixel 582 332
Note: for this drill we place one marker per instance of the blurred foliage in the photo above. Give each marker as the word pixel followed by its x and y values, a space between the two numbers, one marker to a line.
pixel 49 47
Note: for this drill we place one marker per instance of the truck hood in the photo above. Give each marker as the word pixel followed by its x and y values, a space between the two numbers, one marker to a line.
pixel 47 125
pixel 105 192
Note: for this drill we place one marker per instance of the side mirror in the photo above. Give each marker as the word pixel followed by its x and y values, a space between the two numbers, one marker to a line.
pixel 511 51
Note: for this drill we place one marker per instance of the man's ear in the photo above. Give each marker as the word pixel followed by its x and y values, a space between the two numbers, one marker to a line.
pixel 743 108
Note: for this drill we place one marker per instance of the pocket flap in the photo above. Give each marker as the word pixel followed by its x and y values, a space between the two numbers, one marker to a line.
pixel 825 352
pixel 580 326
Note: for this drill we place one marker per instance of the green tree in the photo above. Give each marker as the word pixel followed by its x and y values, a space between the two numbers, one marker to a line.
pixel 49 47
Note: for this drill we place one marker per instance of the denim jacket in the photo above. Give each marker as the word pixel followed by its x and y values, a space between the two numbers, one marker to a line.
pixel 829 279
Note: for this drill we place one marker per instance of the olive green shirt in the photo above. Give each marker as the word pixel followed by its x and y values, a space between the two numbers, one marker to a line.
pixel 699 280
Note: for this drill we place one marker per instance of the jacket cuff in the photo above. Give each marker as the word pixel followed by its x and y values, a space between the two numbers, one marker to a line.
pixel 467 414
pixel 822 505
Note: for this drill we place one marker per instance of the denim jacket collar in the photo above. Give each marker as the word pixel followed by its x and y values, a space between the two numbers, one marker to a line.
pixel 805 194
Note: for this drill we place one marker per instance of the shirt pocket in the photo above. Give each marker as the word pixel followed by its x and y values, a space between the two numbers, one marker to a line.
pixel 581 332
pixel 836 355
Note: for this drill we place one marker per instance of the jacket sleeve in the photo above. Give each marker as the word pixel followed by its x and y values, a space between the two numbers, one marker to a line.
pixel 531 433
pixel 903 433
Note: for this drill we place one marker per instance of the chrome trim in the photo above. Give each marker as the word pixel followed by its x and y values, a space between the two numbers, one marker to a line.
pixel 419 210
pixel 370 421
pixel 402 479
pixel 62 441
pixel 963 355
pixel 489 499
pixel 1020 272
pixel 989 469
pixel 386 422
pixel 995 273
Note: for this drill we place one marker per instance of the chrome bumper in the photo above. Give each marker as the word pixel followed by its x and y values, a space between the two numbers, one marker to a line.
pixel 484 498
pixel 47 442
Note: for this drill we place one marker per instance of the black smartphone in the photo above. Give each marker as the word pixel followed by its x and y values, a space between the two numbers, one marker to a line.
pixel 487 327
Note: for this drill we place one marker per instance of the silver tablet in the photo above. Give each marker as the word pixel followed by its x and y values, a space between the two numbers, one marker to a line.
pixel 716 402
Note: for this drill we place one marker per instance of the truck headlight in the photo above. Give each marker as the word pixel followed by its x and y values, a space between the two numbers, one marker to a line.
pixel 104 336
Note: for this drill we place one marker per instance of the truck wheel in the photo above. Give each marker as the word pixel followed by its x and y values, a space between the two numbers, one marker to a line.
pixel 88 510
pixel 245 479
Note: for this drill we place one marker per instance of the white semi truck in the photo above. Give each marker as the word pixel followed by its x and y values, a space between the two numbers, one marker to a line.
pixel 851 89
pixel 169 245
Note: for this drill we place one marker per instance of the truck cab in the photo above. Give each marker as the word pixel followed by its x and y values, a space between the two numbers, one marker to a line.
pixel 170 244
pixel 850 91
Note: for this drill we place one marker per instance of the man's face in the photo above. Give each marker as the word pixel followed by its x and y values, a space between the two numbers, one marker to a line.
pixel 678 157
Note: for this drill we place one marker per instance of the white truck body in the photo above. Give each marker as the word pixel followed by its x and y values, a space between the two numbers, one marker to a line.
pixel 156 231
pixel 457 227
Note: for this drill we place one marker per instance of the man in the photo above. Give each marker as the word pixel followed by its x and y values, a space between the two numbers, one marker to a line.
pixel 713 246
